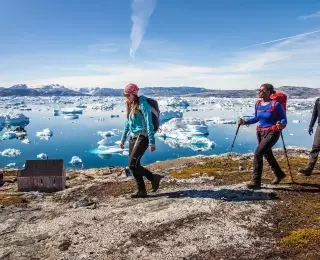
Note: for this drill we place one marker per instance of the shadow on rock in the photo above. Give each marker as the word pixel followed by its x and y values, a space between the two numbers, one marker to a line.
pixel 223 194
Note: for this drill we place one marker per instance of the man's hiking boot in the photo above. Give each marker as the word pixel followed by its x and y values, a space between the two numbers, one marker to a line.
pixel 155 182
pixel 254 185
pixel 308 170
pixel 139 194
pixel 278 178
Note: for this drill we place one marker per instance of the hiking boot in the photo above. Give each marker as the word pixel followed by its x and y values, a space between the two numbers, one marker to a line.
pixel 279 178
pixel 305 171
pixel 155 182
pixel 139 194
pixel 254 185
pixel 308 170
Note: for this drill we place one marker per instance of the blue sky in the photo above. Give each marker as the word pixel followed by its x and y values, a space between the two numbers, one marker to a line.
pixel 204 43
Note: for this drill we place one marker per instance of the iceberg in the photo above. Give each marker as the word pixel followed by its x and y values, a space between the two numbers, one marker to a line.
pixel 45 134
pixel 218 121
pixel 11 165
pixel 71 116
pixel 167 115
pixel 16 119
pixel 75 160
pixel 2 120
pixel 296 121
pixel 106 142
pixel 104 150
pixel 42 156
pixel 177 102
pixel 106 134
pixel 10 152
pixel 72 110
pixel 26 141
pixel 178 128
pixel 199 144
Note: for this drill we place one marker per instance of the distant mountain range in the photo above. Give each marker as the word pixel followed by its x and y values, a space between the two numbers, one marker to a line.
pixel 59 90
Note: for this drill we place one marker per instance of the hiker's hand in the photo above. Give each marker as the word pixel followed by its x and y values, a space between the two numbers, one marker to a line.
pixel 280 125
pixel 241 121
pixel 310 131
pixel 121 145
pixel 152 148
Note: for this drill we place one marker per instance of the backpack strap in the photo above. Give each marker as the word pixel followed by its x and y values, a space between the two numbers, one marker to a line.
pixel 273 109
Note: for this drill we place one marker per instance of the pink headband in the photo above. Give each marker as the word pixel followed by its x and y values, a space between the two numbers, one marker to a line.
pixel 131 89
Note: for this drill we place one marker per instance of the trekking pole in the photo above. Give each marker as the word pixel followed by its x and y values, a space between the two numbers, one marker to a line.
pixel 285 151
pixel 234 139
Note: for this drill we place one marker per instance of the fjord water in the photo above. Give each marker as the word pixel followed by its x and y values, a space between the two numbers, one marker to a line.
pixel 79 137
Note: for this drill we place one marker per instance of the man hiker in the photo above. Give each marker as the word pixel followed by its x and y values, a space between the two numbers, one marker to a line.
pixel 272 119
pixel 313 156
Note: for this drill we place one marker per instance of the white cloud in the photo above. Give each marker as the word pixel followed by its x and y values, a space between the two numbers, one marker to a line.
pixel 310 16
pixel 141 11
pixel 293 61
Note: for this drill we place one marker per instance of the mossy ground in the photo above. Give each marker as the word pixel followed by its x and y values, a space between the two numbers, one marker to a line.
pixel 296 218
pixel 11 199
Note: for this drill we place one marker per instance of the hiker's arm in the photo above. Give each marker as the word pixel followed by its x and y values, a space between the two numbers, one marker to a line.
pixel 314 114
pixel 146 111
pixel 253 120
pixel 281 114
pixel 125 132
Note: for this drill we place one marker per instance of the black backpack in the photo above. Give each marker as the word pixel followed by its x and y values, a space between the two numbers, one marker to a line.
pixel 155 111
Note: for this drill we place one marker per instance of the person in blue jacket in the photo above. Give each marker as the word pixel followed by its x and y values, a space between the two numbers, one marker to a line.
pixel 268 133
pixel 140 127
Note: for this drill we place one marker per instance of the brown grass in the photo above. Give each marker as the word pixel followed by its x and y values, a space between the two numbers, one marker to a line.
pixel 8 199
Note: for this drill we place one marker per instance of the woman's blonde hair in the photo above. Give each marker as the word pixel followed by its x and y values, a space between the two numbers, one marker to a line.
pixel 132 107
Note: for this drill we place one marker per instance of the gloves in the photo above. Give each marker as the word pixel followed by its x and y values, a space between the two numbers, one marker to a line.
pixel 310 131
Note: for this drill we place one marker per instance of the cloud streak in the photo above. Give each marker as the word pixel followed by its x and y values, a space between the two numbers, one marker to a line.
pixel 141 11
pixel 282 39
pixel 310 16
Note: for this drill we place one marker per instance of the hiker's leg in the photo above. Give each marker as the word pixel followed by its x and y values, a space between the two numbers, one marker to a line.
pixel 138 147
pixel 313 156
pixel 268 140
pixel 273 163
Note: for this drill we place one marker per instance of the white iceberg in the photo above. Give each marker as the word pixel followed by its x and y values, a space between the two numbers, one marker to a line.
pixel 11 165
pixel 9 135
pixel 106 134
pixel 72 110
pixel 106 142
pixel 218 121
pixel 178 128
pixel 10 152
pixel 26 141
pixel 71 116
pixel 296 121
pixel 45 134
pixel 16 119
pixel 194 143
pixel 103 150
pixel 75 160
pixel 167 115
pixel 42 156
pixel 177 102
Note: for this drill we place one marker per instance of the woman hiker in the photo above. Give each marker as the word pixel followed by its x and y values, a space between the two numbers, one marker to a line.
pixel 139 125
pixel 268 133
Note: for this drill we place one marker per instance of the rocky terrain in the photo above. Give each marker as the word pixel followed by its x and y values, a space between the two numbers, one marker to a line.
pixel 202 211
pixel 59 90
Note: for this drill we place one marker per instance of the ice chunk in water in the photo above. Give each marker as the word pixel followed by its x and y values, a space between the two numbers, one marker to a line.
pixel 16 119
pixel 108 150
pixel 26 141
pixel 11 165
pixel 71 116
pixel 71 110
pixel 106 142
pixel 10 152
pixel 296 121
pixel 167 115
pixel 42 156
pixel 75 160
pixel 218 120
pixel 106 134
pixel 45 133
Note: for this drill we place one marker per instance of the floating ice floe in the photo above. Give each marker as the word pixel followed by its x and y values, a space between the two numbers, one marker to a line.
pixel 106 134
pixel 218 120
pixel 71 116
pixel 167 115
pixel 26 141
pixel 199 144
pixel 178 128
pixel 106 142
pixel 71 110
pixel 104 150
pixel 11 165
pixel 16 119
pixel 177 102
pixel 112 116
pixel 10 152
pixel 45 134
pixel 75 160
pixel 42 156
pixel 296 121
pixel 2 120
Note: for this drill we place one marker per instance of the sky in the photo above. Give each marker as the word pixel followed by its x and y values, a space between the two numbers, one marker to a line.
pixel 229 44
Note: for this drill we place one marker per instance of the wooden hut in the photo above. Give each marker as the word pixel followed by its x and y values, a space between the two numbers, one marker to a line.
pixel 42 175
